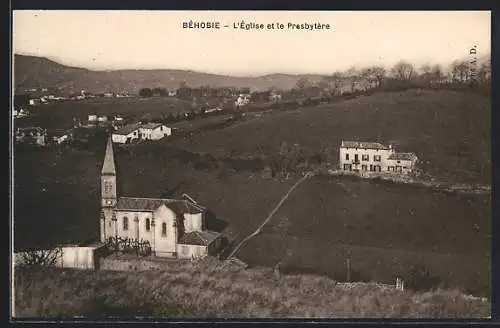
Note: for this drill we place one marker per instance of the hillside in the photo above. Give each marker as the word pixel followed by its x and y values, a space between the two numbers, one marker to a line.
pixel 196 290
pixel 36 72
pixel 448 130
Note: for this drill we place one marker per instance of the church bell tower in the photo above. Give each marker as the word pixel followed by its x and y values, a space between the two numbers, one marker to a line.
pixel 108 191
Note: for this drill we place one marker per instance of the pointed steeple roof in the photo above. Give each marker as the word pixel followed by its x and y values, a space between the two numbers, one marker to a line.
pixel 108 166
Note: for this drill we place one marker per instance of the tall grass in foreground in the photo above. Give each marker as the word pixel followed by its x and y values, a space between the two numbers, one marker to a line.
pixel 192 290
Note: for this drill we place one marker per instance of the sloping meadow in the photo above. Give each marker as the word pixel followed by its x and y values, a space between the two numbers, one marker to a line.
pixel 201 291
pixel 449 131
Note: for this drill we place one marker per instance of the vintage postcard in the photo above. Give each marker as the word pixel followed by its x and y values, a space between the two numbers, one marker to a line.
pixel 251 164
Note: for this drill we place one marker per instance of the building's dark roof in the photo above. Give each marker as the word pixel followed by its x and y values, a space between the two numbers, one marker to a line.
pixel 108 167
pixel 152 204
pixel 151 126
pixel 201 238
pixel 403 156
pixel 364 145
pixel 127 129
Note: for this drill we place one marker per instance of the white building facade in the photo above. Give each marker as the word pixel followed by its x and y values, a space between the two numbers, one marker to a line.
pixel 374 157
pixel 154 131
pixel 126 134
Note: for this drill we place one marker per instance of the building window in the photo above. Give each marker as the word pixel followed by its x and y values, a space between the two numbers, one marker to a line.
pixel 148 224
pixel 363 167
pixel 376 158
pixel 371 167
pixel 163 229
pixel 108 186
pixel 365 157
pixel 125 223
pixel 346 157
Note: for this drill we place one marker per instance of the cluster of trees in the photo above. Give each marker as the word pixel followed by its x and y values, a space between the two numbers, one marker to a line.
pixel 40 258
pixel 462 72
pixel 293 159
pixel 185 92
pixel 154 92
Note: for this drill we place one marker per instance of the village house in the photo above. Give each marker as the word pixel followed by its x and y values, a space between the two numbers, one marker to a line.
pixel 60 136
pixel 375 157
pixel 173 227
pixel 274 96
pixel 126 134
pixel 243 99
pixel 32 136
pixel 22 112
pixel 138 131
pixel 154 131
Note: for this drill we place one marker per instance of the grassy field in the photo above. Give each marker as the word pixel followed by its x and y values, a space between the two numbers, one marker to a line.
pixel 326 220
pixel 60 115
pixel 199 291
pixel 449 131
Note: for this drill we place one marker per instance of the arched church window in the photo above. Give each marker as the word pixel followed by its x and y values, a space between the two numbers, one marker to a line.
pixel 163 229
pixel 125 223
pixel 148 224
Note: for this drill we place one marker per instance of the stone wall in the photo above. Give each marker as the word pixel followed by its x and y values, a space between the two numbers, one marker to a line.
pixel 134 263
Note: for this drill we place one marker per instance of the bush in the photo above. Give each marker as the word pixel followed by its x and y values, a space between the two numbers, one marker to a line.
pixel 420 279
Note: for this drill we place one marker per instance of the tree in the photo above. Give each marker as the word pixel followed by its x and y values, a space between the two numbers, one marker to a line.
pixel 183 92
pixel 484 72
pixel 160 92
pixel 368 76
pixel 437 73
pixel 379 73
pixel 145 93
pixel 403 71
pixel 335 79
pixel 40 258
pixel 425 69
pixel 302 83
pixel 460 71
pixel 351 71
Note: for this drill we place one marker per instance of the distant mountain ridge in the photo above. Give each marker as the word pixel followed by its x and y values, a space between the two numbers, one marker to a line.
pixel 39 72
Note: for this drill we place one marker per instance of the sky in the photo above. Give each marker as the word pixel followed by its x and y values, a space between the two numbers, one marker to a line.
pixel 108 40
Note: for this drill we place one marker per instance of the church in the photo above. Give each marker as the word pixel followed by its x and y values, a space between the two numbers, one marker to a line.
pixel 174 227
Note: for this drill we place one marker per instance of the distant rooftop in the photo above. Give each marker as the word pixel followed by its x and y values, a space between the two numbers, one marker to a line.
pixel 403 156
pixel 152 204
pixel 151 126
pixel 364 145
pixel 201 238
pixel 127 129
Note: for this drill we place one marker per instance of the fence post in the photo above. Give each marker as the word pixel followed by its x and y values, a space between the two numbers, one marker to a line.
pixel 399 284
pixel 348 275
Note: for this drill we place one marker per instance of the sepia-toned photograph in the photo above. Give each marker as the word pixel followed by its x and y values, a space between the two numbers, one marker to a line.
pixel 250 164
